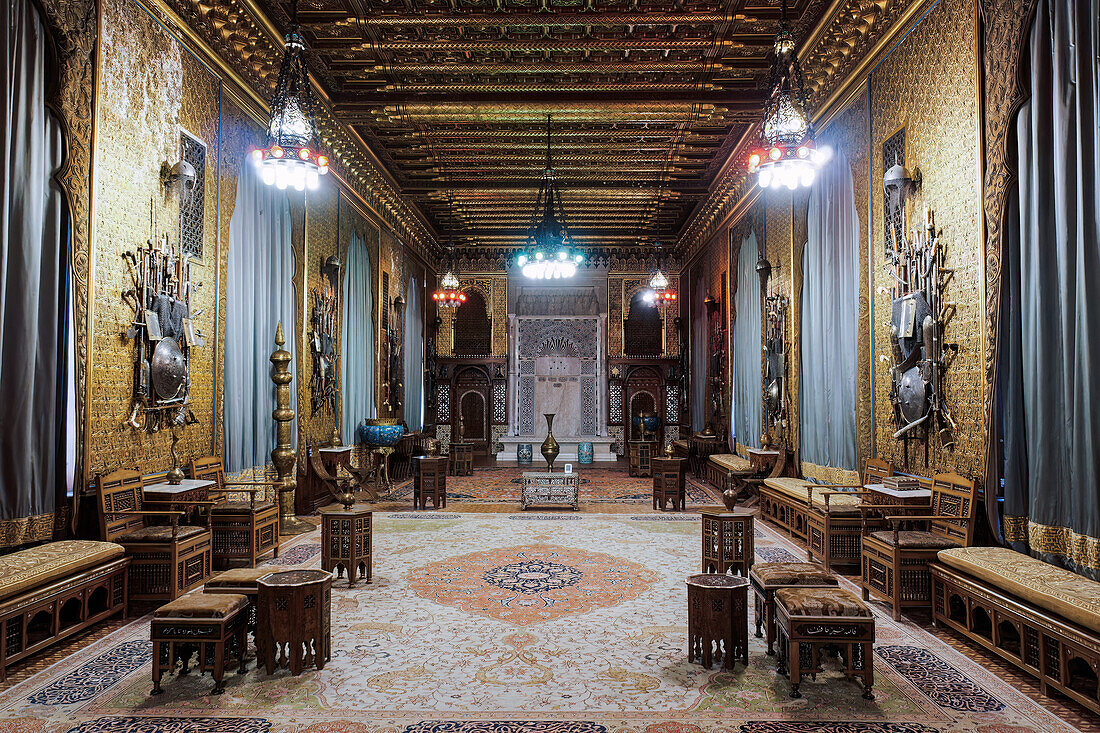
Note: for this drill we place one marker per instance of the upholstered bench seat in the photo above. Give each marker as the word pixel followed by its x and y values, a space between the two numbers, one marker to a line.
pixel 202 605
pixel 1055 589
pixel 730 462
pixel 820 602
pixel 26 569
pixel 914 540
pixel 795 488
pixel 792 573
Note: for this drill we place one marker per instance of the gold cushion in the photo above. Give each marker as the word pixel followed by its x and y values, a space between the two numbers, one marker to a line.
pixel 202 605
pixel 911 540
pixel 730 462
pixel 795 488
pixel 159 533
pixel 238 507
pixel 1072 596
pixel 26 569
pixel 792 573
pixel 820 602
pixel 242 577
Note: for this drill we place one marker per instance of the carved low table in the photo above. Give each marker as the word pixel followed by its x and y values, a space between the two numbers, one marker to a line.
pixel 294 622
pixel 807 620
pixel 430 482
pixel 767 577
pixel 170 496
pixel 242 582
pixel 718 619
pixel 212 625
pixel 668 483
pixel 346 541
pixel 881 495
pixel 641 457
pixel 728 542
pixel 461 459
pixel 541 487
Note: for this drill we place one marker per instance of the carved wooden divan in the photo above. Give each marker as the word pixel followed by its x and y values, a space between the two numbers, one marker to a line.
pixel 723 469
pixel 53 591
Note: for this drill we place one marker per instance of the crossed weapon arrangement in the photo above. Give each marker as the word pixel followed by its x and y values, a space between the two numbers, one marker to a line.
pixel 920 355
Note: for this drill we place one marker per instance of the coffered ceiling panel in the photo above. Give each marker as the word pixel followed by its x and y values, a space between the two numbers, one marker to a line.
pixel 647 99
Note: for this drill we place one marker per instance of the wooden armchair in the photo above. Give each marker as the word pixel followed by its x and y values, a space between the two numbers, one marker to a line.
pixel 834 532
pixel 895 560
pixel 167 560
pixel 243 530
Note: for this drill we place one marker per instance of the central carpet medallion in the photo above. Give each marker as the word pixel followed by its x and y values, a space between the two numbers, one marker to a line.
pixel 530 584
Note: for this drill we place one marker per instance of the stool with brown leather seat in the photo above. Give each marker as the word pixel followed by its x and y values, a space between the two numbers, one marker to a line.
pixel 212 624
pixel 767 577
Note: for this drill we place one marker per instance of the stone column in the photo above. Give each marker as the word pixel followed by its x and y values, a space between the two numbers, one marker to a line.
pixel 513 372
pixel 601 375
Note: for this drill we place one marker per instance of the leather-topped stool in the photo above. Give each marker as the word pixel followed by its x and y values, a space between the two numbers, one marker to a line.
pixel 766 577
pixel 198 622
pixel 241 581
pixel 809 619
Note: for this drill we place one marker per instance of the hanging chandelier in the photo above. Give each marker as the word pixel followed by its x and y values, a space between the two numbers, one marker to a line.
pixel 662 292
pixel 788 156
pixel 449 293
pixel 548 252
pixel 291 157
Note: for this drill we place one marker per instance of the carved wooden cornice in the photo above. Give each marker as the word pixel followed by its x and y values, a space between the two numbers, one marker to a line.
pixel 243 39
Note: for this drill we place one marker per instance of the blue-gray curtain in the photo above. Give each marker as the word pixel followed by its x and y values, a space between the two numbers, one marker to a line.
pixel 357 348
pixel 748 380
pixel 699 347
pixel 34 288
pixel 830 320
pixel 1050 316
pixel 414 353
pixel 259 295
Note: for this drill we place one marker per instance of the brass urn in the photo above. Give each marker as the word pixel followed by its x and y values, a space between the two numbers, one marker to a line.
pixel 550 447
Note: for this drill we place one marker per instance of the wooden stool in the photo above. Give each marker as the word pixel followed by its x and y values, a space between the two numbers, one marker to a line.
pixel 766 577
pixel 294 624
pixel 461 461
pixel 809 619
pixel 728 542
pixel 346 541
pixel 211 624
pixel 431 481
pixel 668 483
pixel 641 457
pixel 718 619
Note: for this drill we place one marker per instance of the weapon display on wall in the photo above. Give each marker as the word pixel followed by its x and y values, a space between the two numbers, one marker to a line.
pixel 322 347
pixel 775 368
pixel 163 332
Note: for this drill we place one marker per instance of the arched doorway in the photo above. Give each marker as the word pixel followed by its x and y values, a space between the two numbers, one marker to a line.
pixel 472 407
pixel 643 387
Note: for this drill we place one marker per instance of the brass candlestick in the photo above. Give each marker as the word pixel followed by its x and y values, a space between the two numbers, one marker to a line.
pixel 283 455
pixel 175 474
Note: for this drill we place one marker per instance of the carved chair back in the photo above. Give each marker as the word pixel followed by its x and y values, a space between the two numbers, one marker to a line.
pixel 875 470
pixel 210 468
pixel 119 491
pixel 954 496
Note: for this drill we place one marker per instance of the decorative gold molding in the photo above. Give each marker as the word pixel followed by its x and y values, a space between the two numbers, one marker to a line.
pixel 1080 549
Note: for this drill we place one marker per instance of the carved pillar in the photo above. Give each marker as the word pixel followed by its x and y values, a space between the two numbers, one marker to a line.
pixel 283 455
pixel 513 379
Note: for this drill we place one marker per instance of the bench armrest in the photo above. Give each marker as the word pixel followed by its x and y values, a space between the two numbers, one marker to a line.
pixel 142 512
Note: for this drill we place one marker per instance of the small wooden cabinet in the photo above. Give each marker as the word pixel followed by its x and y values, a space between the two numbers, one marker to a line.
pixel 641 457
pixel 430 482
pixel 346 541
pixel 461 457
pixel 668 483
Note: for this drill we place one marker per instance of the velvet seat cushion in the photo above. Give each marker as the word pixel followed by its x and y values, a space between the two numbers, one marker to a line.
pixel 820 602
pixel 242 577
pixel 203 605
pixel 1060 591
pixel 26 569
pixel 795 488
pixel 237 507
pixel 914 540
pixel 159 533
pixel 792 573
pixel 730 462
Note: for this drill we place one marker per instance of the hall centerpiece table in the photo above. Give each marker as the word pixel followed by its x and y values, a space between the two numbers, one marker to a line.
pixel 548 487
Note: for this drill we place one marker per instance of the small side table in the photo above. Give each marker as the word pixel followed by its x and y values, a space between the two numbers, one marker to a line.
pixel 700 448
pixel 728 542
pixel 461 461
pixel 641 457
pixel 346 541
pixel 430 482
pixel 545 487
pixel 718 619
pixel 295 622
pixel 185 492
pixel 668 483
pixel 762 459
pixel 883 496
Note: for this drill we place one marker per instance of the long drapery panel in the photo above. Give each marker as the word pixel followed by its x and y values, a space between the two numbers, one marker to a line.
pixel 259 295
pixel 830 320
pixel 748 380
pixel 1050 318
pixel 34 277
pixel 414 352
pixel 357 348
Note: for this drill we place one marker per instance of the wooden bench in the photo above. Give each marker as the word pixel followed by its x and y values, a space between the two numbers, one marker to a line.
pixel 1041 618
pixel 722 470
pixel 788 502
pixel 54 590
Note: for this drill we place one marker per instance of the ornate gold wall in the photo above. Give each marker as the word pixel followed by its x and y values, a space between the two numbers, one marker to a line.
pixel 620 289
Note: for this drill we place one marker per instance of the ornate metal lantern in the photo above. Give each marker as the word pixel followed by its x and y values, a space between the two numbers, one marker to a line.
pixel 788 156
pixel 449 293
pixel 663 293
pixel 291 157
pixel 549 252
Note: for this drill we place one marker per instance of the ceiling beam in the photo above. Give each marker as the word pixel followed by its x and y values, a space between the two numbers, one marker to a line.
pixel 598 100
pixel 462 45
pixel 529 20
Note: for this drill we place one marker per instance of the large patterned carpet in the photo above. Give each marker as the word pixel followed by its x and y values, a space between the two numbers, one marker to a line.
pixel 501 623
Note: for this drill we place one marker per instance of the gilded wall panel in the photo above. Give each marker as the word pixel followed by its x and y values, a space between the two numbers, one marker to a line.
pixel 615 316
pixel 150 88
pixel 928 85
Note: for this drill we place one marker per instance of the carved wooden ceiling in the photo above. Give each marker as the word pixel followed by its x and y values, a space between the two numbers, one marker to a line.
pixel 648 98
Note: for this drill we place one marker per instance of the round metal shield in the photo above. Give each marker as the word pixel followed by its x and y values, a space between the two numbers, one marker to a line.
pixel 169 370
pixel 771 394
pixel 913 395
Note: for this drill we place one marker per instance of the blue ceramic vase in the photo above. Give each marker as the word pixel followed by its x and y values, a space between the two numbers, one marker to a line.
pixel 584 453
pixel 381 432
pixel 524 453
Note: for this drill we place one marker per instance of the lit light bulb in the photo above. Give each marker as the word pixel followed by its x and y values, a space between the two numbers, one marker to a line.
pixel 268 174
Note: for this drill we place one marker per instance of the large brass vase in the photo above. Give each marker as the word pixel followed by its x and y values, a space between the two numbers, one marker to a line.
pixel 550 447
